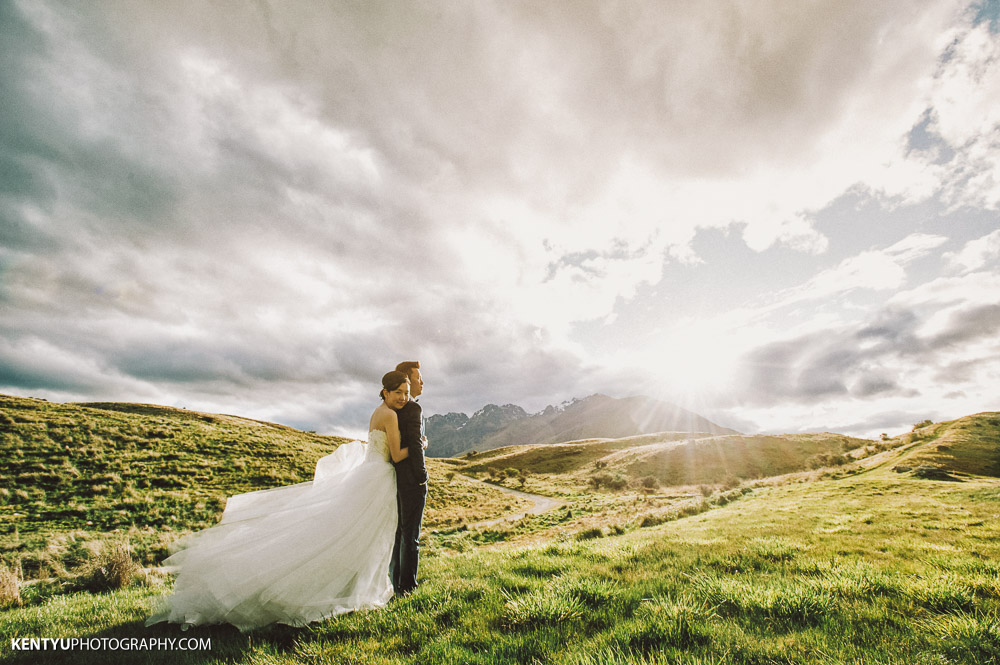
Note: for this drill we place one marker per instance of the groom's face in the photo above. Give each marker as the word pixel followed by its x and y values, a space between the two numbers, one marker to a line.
pixel 416 383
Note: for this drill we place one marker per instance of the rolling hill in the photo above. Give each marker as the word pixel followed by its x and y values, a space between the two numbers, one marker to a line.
pixel 969 445
pixel 676 459
pixel 597 416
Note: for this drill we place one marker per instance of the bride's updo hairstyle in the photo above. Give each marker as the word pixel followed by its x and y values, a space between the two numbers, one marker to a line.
pixel 391 381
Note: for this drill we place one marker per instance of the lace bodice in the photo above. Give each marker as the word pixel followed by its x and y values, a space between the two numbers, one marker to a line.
pixel 378 444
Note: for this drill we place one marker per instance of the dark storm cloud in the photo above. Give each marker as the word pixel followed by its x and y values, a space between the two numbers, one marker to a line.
pixel 806 369
pixel 25 372
pixel 867 362
pixel 876 384
pixel 969 325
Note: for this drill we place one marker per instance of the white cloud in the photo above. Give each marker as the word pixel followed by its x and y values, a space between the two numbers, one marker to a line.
pixel 966 114
pixel 976 254
pixel 982 287
pixel 876 269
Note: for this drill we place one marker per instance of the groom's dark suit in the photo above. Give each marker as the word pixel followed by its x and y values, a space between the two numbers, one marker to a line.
pixel 411 495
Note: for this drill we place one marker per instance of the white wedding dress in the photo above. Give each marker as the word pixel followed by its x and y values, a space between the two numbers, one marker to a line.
pixel 293 554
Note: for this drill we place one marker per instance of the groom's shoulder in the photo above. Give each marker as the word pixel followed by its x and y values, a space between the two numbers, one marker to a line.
pixel 410 407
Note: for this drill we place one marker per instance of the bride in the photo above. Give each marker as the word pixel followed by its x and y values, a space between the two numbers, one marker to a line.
pixel 304 552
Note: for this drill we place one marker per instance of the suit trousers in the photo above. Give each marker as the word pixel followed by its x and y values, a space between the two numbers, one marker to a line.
pixel 411 496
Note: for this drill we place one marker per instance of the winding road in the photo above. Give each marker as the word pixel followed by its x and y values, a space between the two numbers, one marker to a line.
pixel 541 504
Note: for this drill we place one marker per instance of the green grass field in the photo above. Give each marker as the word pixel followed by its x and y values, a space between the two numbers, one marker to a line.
pixel 855 563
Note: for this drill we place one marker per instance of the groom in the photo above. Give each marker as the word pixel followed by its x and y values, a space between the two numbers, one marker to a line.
pixel 411 486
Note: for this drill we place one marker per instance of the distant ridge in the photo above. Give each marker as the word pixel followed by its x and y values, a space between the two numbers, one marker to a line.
pixel 597 416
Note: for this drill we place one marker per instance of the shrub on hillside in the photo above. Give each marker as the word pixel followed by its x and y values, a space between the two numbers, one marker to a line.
pixel 650 482
pixel 932 472
pixel 723 498
pixel 826 459
pixel 731 482
pixel 614 482
pixel 847 445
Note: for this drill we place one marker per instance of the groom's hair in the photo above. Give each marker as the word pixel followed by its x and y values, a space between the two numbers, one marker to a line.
pixel 408 367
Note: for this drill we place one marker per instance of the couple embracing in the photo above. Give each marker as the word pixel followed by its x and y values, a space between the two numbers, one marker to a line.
pixel 346 540
pixel 399 392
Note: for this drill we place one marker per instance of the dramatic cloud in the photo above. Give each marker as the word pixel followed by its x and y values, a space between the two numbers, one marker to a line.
pixel 260 209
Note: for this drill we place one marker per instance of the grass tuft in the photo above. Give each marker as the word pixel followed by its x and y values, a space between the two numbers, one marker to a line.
pixel 774 550
pixel 113 569
pixel 788 602
pixel 619 656
pixel 10 588
pixel 551 604
pixel 942 593
pixel 665 622
pixel 968 636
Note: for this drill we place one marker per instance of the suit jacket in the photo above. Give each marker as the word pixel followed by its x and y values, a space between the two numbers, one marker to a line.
pixel 410 436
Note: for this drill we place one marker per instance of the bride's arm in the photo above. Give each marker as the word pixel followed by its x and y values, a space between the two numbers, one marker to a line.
pixel 392 434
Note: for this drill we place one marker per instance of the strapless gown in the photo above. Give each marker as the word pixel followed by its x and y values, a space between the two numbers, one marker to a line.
pixel 293 554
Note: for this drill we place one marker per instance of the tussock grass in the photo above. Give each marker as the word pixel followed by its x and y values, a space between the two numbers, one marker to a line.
pixel 10 587
pixel 797 604
pixel 859 580
pixel 618 656
pixel 548 605
pixel 665 622
pixel 114 568
pixel 968 635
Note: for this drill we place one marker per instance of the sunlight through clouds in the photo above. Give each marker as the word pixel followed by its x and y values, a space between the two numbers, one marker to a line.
pixel 788 210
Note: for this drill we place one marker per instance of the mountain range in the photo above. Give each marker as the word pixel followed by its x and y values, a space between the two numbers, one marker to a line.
pixel 597 416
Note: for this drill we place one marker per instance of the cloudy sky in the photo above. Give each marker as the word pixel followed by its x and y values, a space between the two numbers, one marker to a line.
pixel 781 214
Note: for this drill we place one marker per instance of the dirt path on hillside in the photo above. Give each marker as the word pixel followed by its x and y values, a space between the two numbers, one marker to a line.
pixel 541 504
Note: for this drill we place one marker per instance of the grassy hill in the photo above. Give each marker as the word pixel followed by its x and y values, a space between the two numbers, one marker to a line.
pixel 969 445
pixel 876 567
pixel 110 466
pixel 673 459
pixel 854 561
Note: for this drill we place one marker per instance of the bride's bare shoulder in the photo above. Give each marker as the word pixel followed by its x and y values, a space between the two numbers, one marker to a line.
pixel 382 417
